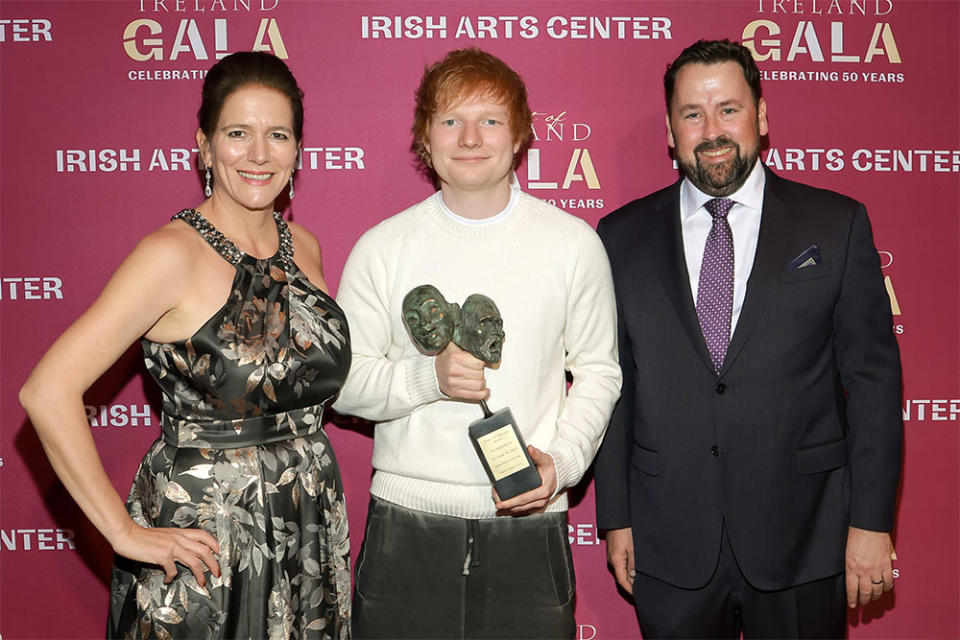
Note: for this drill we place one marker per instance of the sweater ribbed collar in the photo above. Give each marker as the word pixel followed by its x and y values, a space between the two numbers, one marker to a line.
pixel 468 228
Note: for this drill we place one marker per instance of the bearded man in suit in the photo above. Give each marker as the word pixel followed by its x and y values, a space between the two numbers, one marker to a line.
pixel 748 479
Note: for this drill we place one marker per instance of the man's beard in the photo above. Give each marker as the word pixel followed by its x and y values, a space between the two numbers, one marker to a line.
pixel 719 180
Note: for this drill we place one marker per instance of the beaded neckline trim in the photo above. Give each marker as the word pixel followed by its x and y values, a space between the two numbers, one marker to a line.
pixel 226 248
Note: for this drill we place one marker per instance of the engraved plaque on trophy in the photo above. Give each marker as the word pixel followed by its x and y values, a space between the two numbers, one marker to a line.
pixel 477 328
pixel 503 453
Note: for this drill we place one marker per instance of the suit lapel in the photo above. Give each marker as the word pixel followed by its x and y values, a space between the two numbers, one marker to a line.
pixel 769 262
pixel 667 249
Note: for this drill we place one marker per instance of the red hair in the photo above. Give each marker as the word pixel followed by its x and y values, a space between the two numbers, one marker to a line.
pixel 465 74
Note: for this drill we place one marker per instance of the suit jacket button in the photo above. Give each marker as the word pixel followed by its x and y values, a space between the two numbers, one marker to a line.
pixel 715 451
pixel 721 388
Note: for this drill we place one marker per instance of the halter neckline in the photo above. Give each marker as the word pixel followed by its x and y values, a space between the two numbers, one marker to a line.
pixel 227 249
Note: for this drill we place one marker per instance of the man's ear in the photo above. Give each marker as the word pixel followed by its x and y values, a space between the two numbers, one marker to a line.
pixel 670 141
pixel 762 117
pixel 426 145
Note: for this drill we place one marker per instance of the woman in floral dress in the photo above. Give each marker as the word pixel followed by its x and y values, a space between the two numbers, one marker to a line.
pixel 235 526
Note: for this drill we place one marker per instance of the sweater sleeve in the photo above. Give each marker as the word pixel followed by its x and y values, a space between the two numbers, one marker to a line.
pixel 384 383
pixel 590 342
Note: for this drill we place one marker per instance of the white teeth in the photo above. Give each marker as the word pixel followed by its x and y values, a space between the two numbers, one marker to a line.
pixel 714 154
pixel 260 177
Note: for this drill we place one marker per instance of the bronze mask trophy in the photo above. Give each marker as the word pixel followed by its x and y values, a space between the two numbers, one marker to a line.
pixel 477 328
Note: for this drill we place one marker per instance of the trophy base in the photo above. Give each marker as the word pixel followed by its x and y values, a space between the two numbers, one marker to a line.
pixel 504 455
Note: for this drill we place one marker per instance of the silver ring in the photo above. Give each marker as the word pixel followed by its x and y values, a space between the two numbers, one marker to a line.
pixel 880 581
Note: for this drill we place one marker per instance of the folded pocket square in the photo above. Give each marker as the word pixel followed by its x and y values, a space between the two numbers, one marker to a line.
pixel 809 258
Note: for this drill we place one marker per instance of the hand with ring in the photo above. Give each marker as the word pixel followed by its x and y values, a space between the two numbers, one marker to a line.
pixel 868 566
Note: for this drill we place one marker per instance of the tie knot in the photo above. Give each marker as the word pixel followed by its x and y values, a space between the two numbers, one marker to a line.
pixel 719 207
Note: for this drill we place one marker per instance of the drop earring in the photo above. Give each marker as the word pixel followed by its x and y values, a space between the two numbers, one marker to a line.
pixel 291 186
pixel 207 191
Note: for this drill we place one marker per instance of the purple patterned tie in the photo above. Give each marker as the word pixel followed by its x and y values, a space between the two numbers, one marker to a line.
pixel 715 290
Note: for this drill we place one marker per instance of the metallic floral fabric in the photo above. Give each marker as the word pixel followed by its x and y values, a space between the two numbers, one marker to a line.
pixel 244 457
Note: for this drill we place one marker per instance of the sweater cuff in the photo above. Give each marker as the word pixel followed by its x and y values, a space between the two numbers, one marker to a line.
pixel 422 381
pixel 559 487
pixel 565 461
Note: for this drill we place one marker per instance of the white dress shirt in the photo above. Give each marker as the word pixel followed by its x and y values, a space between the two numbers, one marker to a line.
pixel 744 219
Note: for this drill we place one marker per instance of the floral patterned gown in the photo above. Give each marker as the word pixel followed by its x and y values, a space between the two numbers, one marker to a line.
pixel 243 456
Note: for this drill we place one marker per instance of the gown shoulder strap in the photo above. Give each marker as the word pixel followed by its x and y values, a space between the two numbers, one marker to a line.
pixel 220 243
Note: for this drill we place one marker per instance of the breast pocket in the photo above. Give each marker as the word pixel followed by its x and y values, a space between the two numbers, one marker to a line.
pixel 812 272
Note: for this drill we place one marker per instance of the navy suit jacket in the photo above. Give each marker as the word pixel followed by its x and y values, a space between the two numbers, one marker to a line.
pixel 800 434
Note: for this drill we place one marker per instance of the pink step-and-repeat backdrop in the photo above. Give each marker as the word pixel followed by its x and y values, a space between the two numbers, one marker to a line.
pixel 98 102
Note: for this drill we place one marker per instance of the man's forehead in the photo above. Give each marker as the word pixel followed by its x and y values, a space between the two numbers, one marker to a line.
pixel 717 82
pixel 715 74
pixel 470 97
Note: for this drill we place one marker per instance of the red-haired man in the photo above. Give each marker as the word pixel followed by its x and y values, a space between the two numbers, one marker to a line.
pixel 441 556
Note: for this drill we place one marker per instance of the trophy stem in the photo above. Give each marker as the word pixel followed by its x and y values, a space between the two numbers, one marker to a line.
pixel 486 409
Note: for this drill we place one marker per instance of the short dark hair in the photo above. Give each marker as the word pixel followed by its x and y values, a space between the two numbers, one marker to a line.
pixel 714 52
pixel 242 69
pixel 467 73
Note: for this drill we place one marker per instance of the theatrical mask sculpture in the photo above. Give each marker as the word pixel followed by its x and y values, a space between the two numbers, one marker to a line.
pixel 431 319
pixel 480 331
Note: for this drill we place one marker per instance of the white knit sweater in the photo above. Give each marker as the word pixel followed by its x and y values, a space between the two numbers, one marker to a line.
pixel 549 275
